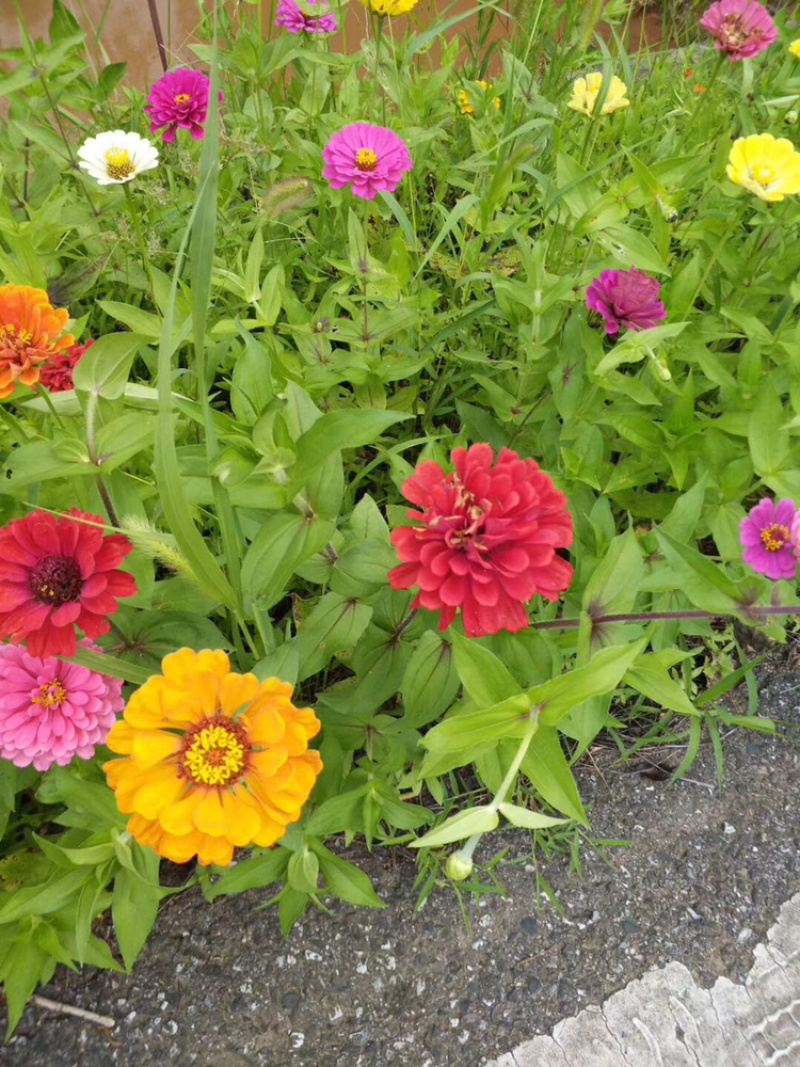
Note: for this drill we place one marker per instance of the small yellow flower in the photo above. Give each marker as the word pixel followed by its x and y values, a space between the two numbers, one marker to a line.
pixel 389 7
pixel 586 90
pixel 794 47
pixel 768 166
pixel 465 103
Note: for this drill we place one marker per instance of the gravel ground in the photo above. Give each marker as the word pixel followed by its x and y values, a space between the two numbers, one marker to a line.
pixel 700 883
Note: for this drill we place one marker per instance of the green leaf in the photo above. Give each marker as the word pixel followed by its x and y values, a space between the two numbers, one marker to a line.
pixel 291 906
pixel 302 872
pixel 702 581
pixel 546 767
pixel 43 899
pixel 282 543
pixel 345 880
pixel 481 820
pixel 134 907
pixel 530 820
pixel 339 813
pixel 342 428
pixel 255 872
pixel 655 683
pixel 28 965
pixel 482 674
pixel 601 675
pixel 486 726
pixel 770 445
pixel 614 582
pixel 333 627
pixel 430 682
pixel 104 368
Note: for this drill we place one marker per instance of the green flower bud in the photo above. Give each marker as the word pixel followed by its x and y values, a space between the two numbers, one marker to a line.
pixel 458 867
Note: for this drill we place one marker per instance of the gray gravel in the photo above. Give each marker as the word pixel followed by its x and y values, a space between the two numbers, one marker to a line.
pixel 701 882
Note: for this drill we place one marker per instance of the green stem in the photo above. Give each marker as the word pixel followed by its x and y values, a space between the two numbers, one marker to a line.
pixel 139 238
pixel 649 616
pixel 91 447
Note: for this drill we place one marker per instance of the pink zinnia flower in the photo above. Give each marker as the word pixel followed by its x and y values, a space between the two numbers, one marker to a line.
pixel 742 28
pixel 57 573
pixel 485 540
pixel 292 16
pixel 765 534
pixel 56 373
pixel 51 711
pixel 179 100
pixel 626 298
pixel 371 157
pixel 794 534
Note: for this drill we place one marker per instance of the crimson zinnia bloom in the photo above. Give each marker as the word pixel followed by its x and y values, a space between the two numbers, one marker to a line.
pixel 179 100
pixel 485 540
pixel 292 16
pixel 56 573
pixel 56 374
pixel 626 298
pixel 742 28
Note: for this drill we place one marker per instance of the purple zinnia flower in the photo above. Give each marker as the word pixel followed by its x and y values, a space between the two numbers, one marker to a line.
pixel 371 157
pixel 292 16
pixel 626 298
pixel 179 100
pixel 765 535
pixel 742 28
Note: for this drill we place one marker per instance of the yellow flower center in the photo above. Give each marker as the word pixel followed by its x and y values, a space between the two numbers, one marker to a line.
pixel 215 751
pixel 733 30
pixel 50 693
pixel 763 173
pixel 182 98
pixel 119 163
pixel 366 159
pixel 774 536
pixel 12 336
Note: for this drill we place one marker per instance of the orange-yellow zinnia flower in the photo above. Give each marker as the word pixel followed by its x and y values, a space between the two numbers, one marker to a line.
pixel 212 760
pixel 29 334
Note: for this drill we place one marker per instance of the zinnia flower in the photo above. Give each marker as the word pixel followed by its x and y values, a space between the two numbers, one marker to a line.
pixel 116 157
pixel 586 90
pixel 626 298
pixel 56 573
pixel 485 540
pixel 179 101
pixel 212 760
pixel 371 157
pixel 465 103
pixel 389 7
pixel 741 28
pixel 292 16
pixel 794 534
pixel 765 534
pixel 30 333
pixel 56 374
pixel 50 710
pixel 768 166
pixel 794 47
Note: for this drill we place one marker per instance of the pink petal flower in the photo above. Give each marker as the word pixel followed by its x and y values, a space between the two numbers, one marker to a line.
pixel 766 537
pixel 291 16
pixel 372 158
pixel 626 298
pixel 179 100
pixel 741 28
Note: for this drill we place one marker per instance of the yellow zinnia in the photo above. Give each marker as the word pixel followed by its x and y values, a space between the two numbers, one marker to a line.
pixel 389 7
pixel 465 103
pixel 212 760
pixel 794 47
pixel 768 166
pixel 586 90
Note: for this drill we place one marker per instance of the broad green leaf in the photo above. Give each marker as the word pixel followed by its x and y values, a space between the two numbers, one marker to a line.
pixel 614 582
pixel 546 767
pixel 480 820
pixel 103 369
pixel 342 428
pixel 657 685
pixel 345 880
pixel 430 682
pixel 486 726
pixel 601 675
pixel 482 674
pixel 255 872
pixel 530 820
pixel 282 543
pixel 701 580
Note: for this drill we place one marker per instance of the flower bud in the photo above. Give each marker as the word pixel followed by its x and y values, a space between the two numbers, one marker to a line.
pixel 458 866
pixel 790 118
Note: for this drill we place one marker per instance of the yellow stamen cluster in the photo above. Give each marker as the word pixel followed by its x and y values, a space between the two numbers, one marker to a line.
pixel 50 693
pixel 119 163
pixel 774 536
pixel 182 98
pixel 215 755
pixel 366 159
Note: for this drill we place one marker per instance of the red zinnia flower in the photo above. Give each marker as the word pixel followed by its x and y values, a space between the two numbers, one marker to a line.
pixel 56 573
pixel 56 374
pixel 485 540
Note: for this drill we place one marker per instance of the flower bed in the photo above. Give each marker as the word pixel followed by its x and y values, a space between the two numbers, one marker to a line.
pixel 250 318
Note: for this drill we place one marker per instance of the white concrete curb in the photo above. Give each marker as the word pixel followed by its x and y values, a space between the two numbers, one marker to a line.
pixel 665 1020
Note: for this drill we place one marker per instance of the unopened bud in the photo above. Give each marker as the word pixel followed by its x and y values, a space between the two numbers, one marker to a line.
pixel 790 118
pixel 458 867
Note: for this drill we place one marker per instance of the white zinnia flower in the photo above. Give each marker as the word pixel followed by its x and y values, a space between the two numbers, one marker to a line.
pixel 117 156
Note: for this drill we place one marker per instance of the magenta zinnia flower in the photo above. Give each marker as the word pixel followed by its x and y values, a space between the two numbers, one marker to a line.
pixel 56 573
pixel 742 28
pixel 292 16
pixel 371 157
pixel 179 100
pixel 56 373
pixel 485 540
pixel 50 710
pixel 765 534
pixel 626 298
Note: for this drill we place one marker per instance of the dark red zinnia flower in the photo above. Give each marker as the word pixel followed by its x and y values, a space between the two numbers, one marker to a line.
pixel 56 374
pixel 58 573
pixel 485 540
